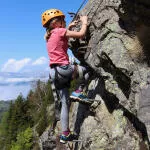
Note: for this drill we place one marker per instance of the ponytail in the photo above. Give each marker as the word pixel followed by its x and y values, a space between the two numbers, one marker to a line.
pixel 47 34
pixel 50 28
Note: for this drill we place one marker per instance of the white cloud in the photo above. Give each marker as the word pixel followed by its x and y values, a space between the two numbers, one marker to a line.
pixel 12 80
pixel 13 65
pixel 17 76
pixel 40 61
pixel 18 80
pixel 22 78
pixel 12 84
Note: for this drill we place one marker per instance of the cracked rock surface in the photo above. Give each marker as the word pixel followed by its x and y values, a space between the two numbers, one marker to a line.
pixel 116 47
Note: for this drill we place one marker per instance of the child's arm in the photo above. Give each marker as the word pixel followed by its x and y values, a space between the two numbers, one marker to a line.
pixel 82 31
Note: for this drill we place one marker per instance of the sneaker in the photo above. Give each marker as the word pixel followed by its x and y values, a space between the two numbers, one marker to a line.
pixel 78 96
pixel 69 137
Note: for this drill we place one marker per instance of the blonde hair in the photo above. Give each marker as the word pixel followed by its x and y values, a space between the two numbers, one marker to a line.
pixel 50 27
pixel 47 34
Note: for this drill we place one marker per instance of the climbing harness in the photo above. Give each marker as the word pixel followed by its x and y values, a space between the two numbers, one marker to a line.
pixel 59 85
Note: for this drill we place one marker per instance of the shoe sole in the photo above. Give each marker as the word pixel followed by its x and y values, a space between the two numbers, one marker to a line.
pixel 63 142
pixel 75 98
pixel 79 99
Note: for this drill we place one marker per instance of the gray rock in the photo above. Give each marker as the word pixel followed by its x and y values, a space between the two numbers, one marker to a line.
pixel 116 47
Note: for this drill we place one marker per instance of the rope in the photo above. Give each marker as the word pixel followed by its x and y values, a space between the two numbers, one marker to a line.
pixel 80 6
pixel 76 14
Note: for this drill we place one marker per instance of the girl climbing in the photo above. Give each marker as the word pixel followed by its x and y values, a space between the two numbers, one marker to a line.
pixel 61 71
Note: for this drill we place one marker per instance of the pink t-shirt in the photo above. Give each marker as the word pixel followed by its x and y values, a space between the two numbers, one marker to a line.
pixel 57 47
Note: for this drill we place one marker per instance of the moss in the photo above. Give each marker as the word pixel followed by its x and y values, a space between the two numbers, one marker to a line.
pixel 120 123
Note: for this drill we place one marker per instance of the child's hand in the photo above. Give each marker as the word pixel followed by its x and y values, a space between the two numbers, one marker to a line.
pixel 83 19
pixel 73 24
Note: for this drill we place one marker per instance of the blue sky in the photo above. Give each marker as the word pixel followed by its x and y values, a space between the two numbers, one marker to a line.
pixel 23 54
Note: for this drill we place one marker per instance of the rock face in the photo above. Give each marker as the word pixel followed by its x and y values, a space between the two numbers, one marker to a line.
pixel 116 47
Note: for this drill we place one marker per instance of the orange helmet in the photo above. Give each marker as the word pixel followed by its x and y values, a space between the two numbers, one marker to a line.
pixel 49 14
